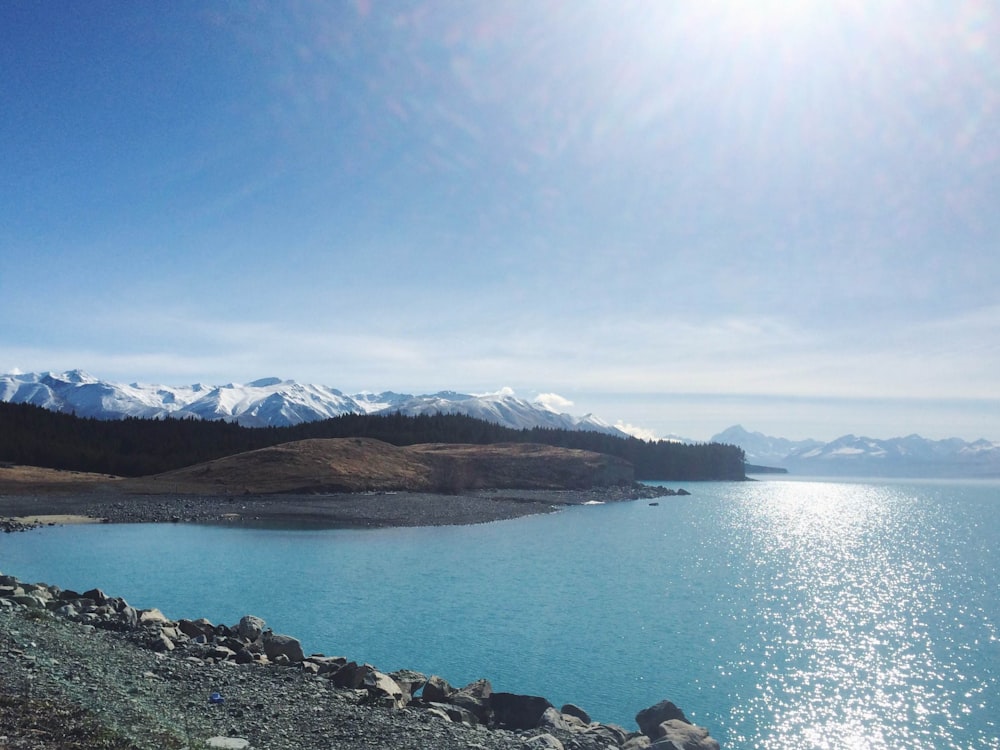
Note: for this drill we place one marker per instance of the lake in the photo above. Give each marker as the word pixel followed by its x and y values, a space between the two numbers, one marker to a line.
pixel 779 613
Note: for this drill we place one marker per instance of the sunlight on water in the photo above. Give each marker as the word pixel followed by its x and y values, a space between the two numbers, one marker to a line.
pixel 855 640
pixel 779 614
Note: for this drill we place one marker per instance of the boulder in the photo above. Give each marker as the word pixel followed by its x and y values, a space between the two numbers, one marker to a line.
pixel 243 657
pixel 552 719
pixel 28 600
pixel 679 735
pixel 638 742
pixel 570 710
pixel 437 690
pixel 409 681
pixel 452 713
pixel 251 628
pixel 349 676
pixel 276 645
pixel 95 595
pixel 129 617
pixel 649 719
pixel 160 642
pixel 383 690
pixel 610 734
pixel 475 698
pixel 327 665
pixel 195 628
pixel 147 616
pixel 227 743
pixel 514 711
pixel 542 742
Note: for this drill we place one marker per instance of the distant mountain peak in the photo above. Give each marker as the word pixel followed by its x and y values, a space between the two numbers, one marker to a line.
pixel 271 401
pixel 853 455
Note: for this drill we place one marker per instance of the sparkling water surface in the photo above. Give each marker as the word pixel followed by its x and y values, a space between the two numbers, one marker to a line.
pixel 780 613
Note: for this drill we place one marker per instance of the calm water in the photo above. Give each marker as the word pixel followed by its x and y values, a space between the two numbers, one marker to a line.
pixel 778 613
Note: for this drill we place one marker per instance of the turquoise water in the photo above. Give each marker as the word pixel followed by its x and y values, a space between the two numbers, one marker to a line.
pixel 779 613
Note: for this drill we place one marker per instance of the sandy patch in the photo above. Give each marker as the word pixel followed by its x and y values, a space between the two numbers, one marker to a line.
pixel 60 518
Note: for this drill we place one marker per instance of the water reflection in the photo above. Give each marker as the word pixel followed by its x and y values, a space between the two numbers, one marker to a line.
pixel 849 628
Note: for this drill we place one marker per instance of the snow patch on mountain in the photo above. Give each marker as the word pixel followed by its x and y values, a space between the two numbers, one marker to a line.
pixel 851 455
pixel 272 401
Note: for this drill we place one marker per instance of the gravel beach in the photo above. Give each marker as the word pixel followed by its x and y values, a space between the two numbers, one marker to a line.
pixel 343 510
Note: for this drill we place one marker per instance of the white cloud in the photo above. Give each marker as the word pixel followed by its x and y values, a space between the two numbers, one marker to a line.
pixel 553 402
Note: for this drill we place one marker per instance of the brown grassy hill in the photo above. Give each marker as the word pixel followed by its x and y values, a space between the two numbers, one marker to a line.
pixel 364 464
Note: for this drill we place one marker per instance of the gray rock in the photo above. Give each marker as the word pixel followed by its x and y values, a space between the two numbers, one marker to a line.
pixel 515 711
pixel 251 628
pixel 475 698
pixel 437 690
pixel 28 600
pixel 95 595
pixel 151 617
pixel 679 735
pixel 639 742
pixel 542 742
pixel 409 681
pixel 227 743
pixel 610 733
pixel 552 719
pixel 570 710
pixel 649 719
pixel 276 645
pixel 195 628
pixel 384 690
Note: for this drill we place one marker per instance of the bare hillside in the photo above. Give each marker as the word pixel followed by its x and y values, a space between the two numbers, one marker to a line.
pixel 363 464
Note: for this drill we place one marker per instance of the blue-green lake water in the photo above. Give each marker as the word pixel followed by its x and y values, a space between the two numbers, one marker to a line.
pixel 779 613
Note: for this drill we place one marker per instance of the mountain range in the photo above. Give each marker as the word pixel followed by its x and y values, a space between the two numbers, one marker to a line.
pixel 850 455
pixel 276 402
pixel 271 402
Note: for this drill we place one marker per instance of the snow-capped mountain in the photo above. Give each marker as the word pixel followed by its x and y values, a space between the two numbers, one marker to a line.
pixel 270 402
pixel 762 449
pixel 850 455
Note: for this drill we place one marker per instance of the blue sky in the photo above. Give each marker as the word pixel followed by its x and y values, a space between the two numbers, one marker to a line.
pixel 677 215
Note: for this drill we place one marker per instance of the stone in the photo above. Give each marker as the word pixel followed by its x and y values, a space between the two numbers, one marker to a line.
pixel 409 681
pixel 349 676
pixel 639 742
pixel 160 642
pixel 28 600
pixel 382 689
pixel 680 735
pixel 95 595
pixel 129 617
pixel 454 714
pixel 251 628
pixel 475 698
pixel 552 719
pixel 276 645
pixel 570 710
pixel 227 743
pixel 437 690
pixel 542 742
pixel 243 657
pixel 514 711
pixel 221 653
pixel 149 616
pixel 649 719
pixel 194 628
pixel 610 733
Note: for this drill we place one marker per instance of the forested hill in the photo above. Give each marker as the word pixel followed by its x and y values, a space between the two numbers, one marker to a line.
pixel 132 447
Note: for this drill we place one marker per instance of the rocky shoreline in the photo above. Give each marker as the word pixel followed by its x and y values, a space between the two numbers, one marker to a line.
pixel 337 510
pixel 146 681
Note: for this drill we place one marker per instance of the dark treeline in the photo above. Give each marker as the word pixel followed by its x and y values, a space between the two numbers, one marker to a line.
pixel 134 447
